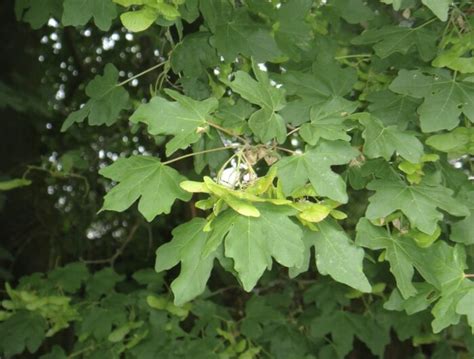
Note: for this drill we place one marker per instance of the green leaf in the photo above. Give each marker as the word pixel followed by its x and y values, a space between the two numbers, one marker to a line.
pixel 381 141
pixel 187 247
pixel 79 12
pixel 393 109
pixel 424 240
pixel 236 33
pixel 292 33
pixel 73 159
pixel 339 326
pixel 266 123
pixel 465 307
pixel 463 231
pixel 336 255
pixel 139 20
pixel 454 56
pixel 194 55
pixel 391 39
pixel 70 277
pixel 397 4
pixel 56 353
pixel 169 12
pixel 162 303
pixel 23 330
pixel 354 12
pixel 424 297
pixel 146 178
pixel 441 265
pixel 321 92
pixel 14 183
pixel 189 10
pixel 445 310
pixel 344 326
pixel 37 12
pixel 128 3
pixel 439 7
pixel 418 202
pixel 314 166
pixel 326 80
pixel 106 101
pixel 149 277
pixel 445 98
pixel 184 118
pixel 98 322
pixel 458 142
pixel 398 252
pixel 232 114
pixel 252 242
pixel 103 282
pixel 214 160
pixel 327 121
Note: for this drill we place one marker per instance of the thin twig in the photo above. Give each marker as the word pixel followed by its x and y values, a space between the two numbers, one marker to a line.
pixel 469 275
pixel 140 74
pixel 198 153
pixel 226 131
pixel 293 131
pixel 355 56
pixel 285 150
pixel 426 23
pixel 57 174
pixel 119 251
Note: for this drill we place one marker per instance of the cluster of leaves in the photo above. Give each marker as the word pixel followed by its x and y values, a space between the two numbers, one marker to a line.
pixel 138 321
pixel 311 124
pixel 110 318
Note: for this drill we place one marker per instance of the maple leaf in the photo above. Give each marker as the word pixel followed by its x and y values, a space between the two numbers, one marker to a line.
pixel 23 330
pixel 336 255
pixel 187 247
pixel 106 101
pixel 37 13
pixel 418 202
pixel 235 32
pixel 382 141
pixel 314 165
pixel 266 123
pixel 252 242
pixel 181 118
pixel 392 39
pixel 445 98
pixel 146 178
pixel 79 12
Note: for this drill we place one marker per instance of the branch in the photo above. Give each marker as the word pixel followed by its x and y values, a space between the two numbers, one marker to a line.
pixel 57 174
pixel 119 251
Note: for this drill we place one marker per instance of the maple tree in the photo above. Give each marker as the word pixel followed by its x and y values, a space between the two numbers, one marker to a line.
pixel 323 152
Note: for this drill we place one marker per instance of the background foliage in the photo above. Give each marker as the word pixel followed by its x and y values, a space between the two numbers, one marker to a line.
pixel 232 138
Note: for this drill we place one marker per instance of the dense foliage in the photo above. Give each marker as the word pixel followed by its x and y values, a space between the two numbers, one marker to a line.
pixel 234 137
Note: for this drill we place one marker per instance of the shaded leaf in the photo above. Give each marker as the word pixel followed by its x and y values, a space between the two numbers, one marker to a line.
pixel 79 12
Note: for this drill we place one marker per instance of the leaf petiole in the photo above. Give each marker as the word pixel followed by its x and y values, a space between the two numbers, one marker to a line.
pixel 141 74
